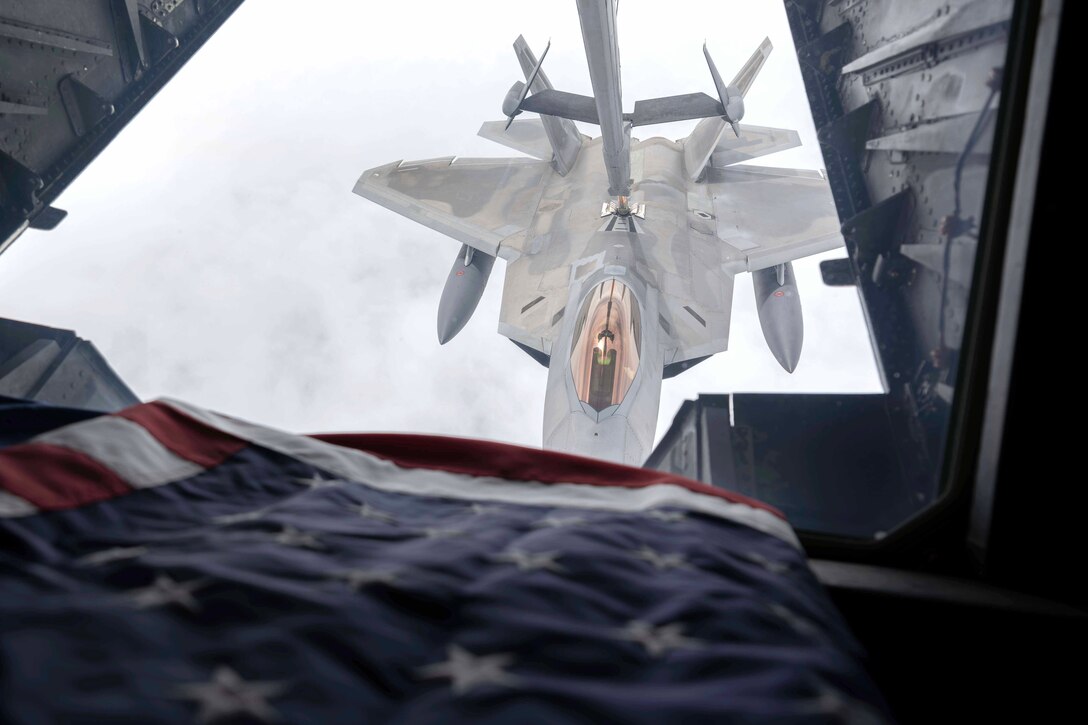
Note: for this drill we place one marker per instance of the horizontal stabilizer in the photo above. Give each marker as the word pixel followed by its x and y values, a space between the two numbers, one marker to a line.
pixel 708 147
pixel 753 142
pixel 675 108
pixel 563 105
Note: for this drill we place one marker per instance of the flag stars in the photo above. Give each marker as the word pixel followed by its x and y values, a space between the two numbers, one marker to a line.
pixel 668 517
pixel 526 561
pixel 165 590
pixel 657 640
pixel 227 695
pixel 317 481
pixel 441 533
pixel 467 671
pixel 775 567
pixel 558 522
pixel 796 622
pixel 480 509
pixel 290 536
pixel 108 556
pixel 357 579
pixel 841 707
pixel 240 518
pixel 659 560
pixel 367 511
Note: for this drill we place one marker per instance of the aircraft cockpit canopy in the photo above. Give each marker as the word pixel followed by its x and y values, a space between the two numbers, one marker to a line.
pixel 607 340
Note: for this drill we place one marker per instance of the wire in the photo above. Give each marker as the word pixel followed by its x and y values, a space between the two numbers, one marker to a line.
pixel 955 226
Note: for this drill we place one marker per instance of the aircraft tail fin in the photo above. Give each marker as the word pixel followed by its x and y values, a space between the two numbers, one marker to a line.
pixel 562 134
pixel 558 110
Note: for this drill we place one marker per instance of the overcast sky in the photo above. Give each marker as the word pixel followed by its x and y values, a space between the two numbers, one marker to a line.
pixel 215 253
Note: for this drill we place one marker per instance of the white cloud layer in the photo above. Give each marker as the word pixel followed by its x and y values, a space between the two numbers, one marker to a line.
pixel 215 253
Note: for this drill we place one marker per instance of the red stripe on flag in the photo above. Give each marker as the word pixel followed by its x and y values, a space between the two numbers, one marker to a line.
pixel 517 463
pixel 184 436
pixel 53 477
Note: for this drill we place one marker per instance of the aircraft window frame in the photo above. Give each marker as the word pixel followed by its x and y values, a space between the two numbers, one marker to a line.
pixel 963 465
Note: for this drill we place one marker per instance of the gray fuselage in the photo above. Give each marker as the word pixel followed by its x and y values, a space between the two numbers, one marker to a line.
pixel 644 254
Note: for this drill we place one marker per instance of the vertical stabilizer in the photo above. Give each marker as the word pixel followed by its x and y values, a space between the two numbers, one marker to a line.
pixel 562 134
pixel 704 139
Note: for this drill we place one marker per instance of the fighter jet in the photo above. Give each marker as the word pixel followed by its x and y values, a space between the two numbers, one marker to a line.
pixel 620 253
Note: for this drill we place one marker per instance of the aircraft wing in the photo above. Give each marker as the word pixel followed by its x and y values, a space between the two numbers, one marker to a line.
pixel 768 216
pixel 754 141
pixel 478 202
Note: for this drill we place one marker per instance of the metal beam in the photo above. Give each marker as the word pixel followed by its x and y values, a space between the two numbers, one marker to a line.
pixel 130 37
pixel 946 135
pixel 22 109
pixel 53 38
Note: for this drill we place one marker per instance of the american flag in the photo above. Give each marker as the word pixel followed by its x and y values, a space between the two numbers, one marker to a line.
pixel 169 564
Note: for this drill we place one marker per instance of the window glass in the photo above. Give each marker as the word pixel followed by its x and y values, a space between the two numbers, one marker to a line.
pixel 605 356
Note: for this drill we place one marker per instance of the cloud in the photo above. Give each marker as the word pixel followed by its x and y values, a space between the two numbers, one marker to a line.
pixel 214 252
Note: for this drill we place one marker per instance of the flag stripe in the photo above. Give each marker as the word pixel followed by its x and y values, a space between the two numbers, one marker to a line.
pixel 13 505
pixel 193 440
pixel 385 475
pixel 155 443
pixel 125 447
pixel 54 477
pixel 516 463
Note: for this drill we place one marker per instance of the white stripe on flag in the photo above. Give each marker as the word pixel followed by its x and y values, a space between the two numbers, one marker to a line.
pixel 124 447
pixel 12 505
pixel 386 476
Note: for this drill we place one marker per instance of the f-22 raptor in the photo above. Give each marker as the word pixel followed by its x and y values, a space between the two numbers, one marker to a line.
pixel 620 254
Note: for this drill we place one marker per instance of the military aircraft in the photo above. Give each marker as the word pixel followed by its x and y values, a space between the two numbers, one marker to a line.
pixel 620 253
